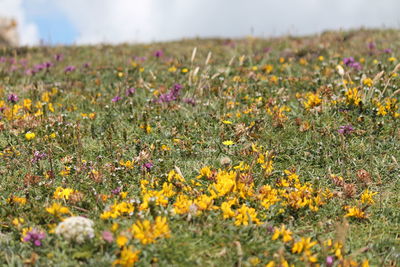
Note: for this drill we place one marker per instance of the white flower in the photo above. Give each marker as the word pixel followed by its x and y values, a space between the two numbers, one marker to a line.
pixel 76 229
pixel 340 70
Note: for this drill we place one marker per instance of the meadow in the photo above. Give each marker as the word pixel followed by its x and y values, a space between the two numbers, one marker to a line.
pixel 204 152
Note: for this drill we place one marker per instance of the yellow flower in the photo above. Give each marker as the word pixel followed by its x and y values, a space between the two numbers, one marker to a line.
pixel 205 172
pixel 227 211
pixel 355 212
pixel 57 209
pixel 286 234
pixel 182 204
pixel 353 96
pixel 313 100
pixel 127 258
pixel 63 193
pixel 367 197
pixel 303 245
pixel 228 143
pixel 368 82
pixel 117 209
pixel 203 202
pixel 246 215
pixel 66 171
pixel 15 199
pixel 29 136
pixel 147 233
pixel 114 227
pixel 18 221
pixel 121 240
pixel 165 148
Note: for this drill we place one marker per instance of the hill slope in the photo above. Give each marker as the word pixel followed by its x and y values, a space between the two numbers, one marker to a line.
pixel 202 152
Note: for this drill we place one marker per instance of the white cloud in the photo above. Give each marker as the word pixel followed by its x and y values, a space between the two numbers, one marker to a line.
pixel 116 21
pixel 28 32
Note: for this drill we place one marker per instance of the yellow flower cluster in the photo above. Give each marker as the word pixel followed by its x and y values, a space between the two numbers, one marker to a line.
pixel 127 258
pixel 63 193
pixel 389 106
pixel 312 100
pixel 353 96
pixel 117 210
pixel 148 232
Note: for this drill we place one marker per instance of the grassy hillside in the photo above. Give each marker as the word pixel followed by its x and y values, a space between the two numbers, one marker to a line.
pixel 277 152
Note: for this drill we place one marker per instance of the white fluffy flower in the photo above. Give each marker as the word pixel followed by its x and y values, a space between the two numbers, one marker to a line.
pixel 76 229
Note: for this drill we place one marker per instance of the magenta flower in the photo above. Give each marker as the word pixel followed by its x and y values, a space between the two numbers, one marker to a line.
pixel 350 62
pixel 59 57
pixel 38 156
pixel 387 50
pixel 346 129
pixel 116 191
pixel 329 261
pixel 130 91
pixel 34 236
pixel 189 101
pixel 148 166
pixel 158 53
pixel 116 99
pixel 12 98
pixel 172 95
pixel 371 45
pixel 69 69
pixel 107 236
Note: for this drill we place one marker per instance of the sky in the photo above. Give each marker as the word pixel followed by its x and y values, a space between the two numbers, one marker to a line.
pixel 68 22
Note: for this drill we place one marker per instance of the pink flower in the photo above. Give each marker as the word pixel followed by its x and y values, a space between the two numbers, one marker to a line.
pixel 107 236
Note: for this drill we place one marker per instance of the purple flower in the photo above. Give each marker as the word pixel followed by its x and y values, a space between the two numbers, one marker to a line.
pixel 38 156
pixel 267 50
pixel 69 69
pixel 348 60
pixel 107 236
pixel 23 62
pixel 38 67
pixel 59 57
pixel 30 72
pixel 86 65
pixel 172 95
pixel 130 91
pixel 12 98
pixel 189 101
pixel 346 129
pixel 48 64
pixel 34 236
pixel 148 166
pixel 158 53
pixel 356 66
pixel 116 99
pixel 387 51
pixel 329 261
pixel 116 191
pixel 371 45
pixel 270 229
